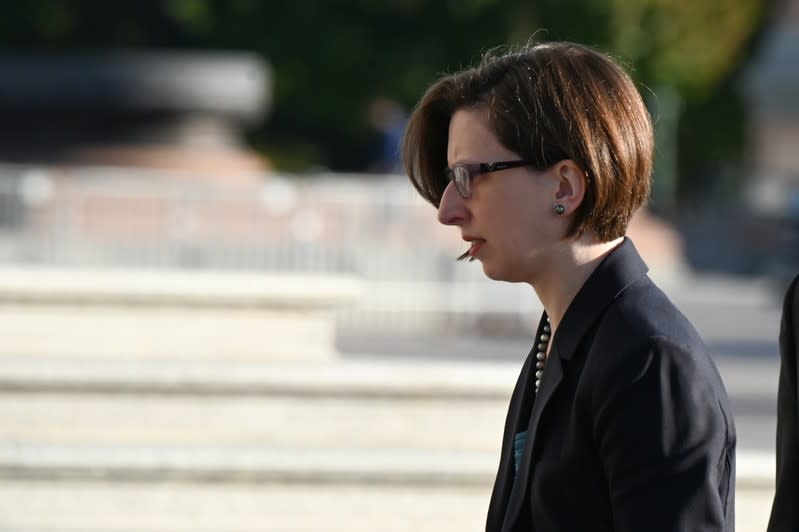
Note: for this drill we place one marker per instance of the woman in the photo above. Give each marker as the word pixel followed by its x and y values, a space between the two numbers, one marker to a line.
pixel 784 511
pixel 619 420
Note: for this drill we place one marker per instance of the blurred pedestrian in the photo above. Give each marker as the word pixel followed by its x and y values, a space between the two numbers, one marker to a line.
pixel 387 118
pixel 619 420
pixel 785 509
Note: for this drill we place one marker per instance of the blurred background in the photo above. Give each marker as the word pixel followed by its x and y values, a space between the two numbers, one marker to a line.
pixel 223 307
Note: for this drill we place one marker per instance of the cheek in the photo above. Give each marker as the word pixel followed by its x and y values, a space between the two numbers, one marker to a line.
pixel 514 213
pixel 528 229
pixel 512 229
pixel 519 215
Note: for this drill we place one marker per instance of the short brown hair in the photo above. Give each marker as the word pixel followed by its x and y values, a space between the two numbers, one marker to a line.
pixel 547 102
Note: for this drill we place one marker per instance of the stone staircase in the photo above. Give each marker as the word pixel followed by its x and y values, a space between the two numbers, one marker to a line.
pixel 172 445
pixel 178 445
pixel 208 438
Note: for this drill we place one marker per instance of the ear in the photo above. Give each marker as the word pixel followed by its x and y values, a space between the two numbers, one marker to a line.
pixel 571 185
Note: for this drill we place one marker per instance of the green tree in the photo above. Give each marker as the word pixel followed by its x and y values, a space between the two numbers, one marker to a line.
pixel 685 54
pixel 332 58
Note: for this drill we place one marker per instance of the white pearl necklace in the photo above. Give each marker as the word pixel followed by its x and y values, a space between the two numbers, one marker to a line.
pixel 541 354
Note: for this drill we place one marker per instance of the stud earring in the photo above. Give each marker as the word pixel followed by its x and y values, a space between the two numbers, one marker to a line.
pixel 559 209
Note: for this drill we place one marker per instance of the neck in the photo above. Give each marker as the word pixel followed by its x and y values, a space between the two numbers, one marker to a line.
pixel 571 267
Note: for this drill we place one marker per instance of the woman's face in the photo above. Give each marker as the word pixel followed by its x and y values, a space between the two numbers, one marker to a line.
pixel 509 219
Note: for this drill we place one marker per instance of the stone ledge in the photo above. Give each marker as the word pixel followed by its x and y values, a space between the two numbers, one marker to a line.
pixel 89 506
pixel 238 465
pixel 421 379
pixel 112 313
pixel 169 288
pixel 756 470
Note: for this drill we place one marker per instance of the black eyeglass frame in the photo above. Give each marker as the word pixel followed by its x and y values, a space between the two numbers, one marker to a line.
pixel 462 174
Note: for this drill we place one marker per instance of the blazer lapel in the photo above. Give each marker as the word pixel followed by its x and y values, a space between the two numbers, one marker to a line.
pixel 620 268
pixel 553 375
pixel 518 416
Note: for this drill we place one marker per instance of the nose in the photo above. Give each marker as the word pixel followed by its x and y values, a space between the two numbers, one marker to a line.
pixel 452 208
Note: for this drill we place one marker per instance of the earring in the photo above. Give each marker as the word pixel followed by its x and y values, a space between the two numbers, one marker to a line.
pixel 559 209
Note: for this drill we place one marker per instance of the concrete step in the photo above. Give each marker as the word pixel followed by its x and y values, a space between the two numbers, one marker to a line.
pixel 137 313
pixel 179 445
pixel 279 421
pixel 236 465
pixel 330 406
pixel 63 489
pixel 200 444
pixel 88 506
pixel 23 460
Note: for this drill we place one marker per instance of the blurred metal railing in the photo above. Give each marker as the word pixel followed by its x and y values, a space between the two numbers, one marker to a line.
pixel 375 227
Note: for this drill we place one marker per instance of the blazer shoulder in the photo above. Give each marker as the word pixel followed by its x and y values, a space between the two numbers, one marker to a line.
pixel 642 316
pixel 643 327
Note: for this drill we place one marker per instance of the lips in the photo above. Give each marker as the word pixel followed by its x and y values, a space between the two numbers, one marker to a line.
pixel 476 244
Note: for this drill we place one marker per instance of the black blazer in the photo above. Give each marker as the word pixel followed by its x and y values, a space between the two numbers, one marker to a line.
pixel 631 429
pixel 785 510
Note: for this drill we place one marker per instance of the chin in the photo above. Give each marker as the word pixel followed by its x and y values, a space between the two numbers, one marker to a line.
pixel 495 274
pixel 498 273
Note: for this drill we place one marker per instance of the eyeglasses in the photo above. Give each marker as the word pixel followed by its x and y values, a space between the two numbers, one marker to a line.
pixel 462 174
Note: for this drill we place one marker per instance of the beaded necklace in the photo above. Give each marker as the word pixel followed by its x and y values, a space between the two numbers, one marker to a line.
pixel 541 354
